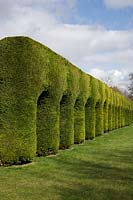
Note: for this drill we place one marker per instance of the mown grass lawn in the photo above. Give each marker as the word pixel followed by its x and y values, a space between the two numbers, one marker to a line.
pixel 101 169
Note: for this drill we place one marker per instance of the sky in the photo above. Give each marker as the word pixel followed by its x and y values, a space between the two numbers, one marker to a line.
pixel 94 35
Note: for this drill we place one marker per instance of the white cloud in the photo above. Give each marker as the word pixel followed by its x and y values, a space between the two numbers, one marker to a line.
pixel 113 78
pixel 86 46
pixel 118 4
pixel 62 9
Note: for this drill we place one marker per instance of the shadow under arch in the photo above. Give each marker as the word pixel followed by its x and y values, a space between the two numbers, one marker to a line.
pixel 90 118
pixel 47 126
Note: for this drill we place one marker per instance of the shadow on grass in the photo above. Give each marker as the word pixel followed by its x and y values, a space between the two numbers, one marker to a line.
pixel 91 193
pixel 108 179
pixel 94 171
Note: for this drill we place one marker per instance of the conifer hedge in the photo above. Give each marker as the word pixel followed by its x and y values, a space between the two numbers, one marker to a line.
pixel 47 103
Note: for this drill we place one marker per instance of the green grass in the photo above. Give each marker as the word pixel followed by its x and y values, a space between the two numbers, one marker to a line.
pixel 101 169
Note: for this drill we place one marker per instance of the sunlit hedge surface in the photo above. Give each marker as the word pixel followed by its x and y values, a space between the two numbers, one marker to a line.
pixel 46 103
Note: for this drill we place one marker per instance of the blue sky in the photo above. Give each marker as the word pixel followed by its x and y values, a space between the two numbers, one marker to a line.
pixel 96 12
pixel 95 35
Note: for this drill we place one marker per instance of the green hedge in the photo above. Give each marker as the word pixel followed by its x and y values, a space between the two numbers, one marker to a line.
pixel 105 117
pixel 79 121
pixel 90 119
pixel 47 103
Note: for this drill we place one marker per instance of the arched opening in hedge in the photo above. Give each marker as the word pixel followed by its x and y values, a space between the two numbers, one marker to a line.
pixel 79 121
pixel 66 122
pixel 90 119
pixel 105 116
pixel 99 118
pixel 47 125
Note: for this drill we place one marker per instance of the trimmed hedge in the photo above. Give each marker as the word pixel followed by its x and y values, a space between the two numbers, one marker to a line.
pixel 47 103
pixel 90 119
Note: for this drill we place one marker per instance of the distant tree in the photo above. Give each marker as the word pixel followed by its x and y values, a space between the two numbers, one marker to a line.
pixel 130 87
pixel 108 79
pixel 125 88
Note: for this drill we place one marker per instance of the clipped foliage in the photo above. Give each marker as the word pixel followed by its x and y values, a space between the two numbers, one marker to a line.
pixel 48 132
pixel 105 116
pixel 116 117
pixel 99 119
pixel 90 119
pixel 47 103
pixel 79 122
pixel 66 122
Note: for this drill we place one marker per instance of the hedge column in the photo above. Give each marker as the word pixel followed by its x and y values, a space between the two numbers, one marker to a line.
pixel 99 118
pixel 90 119
pixel 110 118
pixel 66 122
pixel 79 121
pixel 47 124
pixel 105 120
